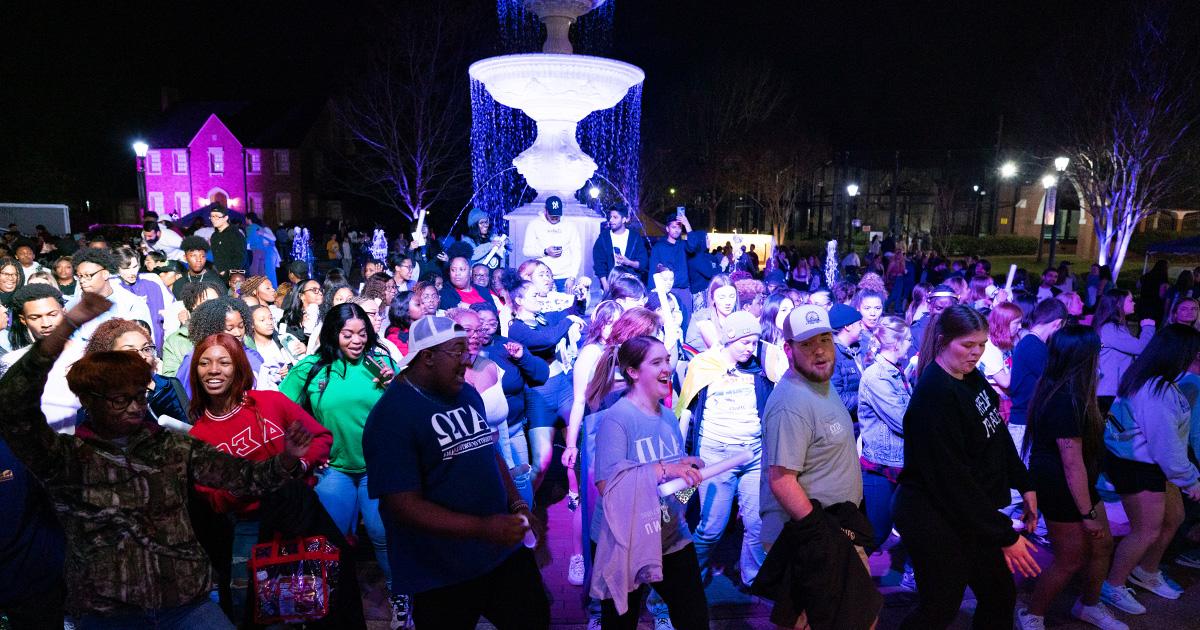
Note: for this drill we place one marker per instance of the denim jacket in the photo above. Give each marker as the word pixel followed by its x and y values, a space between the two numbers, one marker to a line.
pixel 847 371
pixel 883 395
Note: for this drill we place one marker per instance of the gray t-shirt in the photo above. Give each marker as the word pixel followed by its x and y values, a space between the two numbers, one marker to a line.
pixel 626 433
pixel 806 428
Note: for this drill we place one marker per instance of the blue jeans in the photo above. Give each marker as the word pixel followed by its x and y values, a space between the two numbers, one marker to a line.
pixel 245 536
pixel 877 494
pixel 344 495
pixel 516 456
pixel 716 501
pixel 203 614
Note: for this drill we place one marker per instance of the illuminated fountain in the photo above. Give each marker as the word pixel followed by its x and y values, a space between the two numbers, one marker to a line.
pixel 557 89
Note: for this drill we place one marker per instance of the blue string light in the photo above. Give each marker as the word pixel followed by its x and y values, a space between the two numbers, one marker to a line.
pixel 612 137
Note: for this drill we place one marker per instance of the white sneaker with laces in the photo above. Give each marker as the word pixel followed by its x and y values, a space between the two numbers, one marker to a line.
pixel 663 624
pixel 593 623
pixel 1153 582
pixel 575 570
pixel 1098 615
pixel 401 613
pixel 1029 621
pixel 1121 598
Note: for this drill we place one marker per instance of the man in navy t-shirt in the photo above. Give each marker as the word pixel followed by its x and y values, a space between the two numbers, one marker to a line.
pixel 32 549
pixel 454 518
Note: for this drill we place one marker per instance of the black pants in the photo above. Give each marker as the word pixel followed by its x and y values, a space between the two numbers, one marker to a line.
pixel 946 562
pixel 510 596
pixel 680 589
pixel 43 611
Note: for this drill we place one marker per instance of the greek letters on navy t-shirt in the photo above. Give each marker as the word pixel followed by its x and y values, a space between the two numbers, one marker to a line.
pixel 415 441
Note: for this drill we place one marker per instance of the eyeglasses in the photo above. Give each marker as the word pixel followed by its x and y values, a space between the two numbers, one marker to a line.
pixel 146 350
pixel 9 274
pixel 87 276
pixel 312 290
pixel 471 332
pixel 121 402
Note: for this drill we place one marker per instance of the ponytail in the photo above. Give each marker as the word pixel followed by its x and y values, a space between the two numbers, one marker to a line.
pixel 603 377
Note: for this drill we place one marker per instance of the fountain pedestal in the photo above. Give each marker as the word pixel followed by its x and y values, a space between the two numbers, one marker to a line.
pixel 583 219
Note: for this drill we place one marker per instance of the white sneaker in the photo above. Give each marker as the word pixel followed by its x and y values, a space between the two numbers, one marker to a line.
pixel 1189 559
pixel 1153 582
pixel 1121 598
pixel 594 623
pixel 1098 615
pixel 575 570
pixel 1029 621
pixel 661 623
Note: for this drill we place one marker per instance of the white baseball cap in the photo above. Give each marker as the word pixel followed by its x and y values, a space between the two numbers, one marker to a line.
pixel 428 332
pixel 805 322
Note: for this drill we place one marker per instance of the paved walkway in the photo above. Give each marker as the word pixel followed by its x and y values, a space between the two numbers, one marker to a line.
pixel 731 609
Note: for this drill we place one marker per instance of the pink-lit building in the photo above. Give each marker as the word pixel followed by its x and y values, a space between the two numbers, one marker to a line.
pixel 264 158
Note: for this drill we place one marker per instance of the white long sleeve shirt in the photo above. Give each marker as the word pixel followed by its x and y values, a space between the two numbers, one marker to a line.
pixel 542 234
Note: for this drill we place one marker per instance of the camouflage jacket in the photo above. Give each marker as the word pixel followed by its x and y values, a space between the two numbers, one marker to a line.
pixel 130 544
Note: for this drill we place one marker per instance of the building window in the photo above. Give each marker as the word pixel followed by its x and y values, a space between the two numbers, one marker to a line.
pixel 255 202
pixel 283 162
pixel 253 162
pixel 283 203
pixel 181 166
pixel 156 202
pixel 182 205
pixel 154 162
pixel 216 160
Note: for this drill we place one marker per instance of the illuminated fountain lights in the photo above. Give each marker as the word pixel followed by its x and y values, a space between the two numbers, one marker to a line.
pixel 557 90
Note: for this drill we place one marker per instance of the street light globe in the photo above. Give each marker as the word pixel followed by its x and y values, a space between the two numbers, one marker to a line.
pixel 1008 169
pixel 1049 181
pixel 1060 163
pixel 975 188
pixel 140 148
pixel 672 191
pixel 852 190
pixel 593 192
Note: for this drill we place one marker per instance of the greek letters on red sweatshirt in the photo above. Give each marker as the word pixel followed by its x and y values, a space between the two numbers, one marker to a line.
pixel 254 430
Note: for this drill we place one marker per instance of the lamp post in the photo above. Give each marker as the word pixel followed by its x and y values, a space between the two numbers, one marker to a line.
pixel 1008 170
pixel 140 149
pixel 1060 165
pixel 852 192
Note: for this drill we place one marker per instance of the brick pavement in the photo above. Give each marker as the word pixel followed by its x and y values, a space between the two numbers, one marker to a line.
pixel 732 610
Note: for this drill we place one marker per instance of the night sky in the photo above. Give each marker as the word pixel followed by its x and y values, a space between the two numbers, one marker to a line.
pixel 76 86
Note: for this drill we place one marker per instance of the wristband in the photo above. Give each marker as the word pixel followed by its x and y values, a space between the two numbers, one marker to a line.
pixel 517 506
pixel 1090 515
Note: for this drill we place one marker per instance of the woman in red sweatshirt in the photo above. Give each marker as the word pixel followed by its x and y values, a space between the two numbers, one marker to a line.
pixel 246 423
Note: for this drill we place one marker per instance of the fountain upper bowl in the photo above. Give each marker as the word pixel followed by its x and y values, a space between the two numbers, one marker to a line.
pixel 550 87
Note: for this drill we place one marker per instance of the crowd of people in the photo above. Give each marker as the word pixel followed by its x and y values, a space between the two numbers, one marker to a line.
pixel 163 392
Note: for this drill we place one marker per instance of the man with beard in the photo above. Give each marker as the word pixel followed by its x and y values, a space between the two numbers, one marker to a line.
pixel 453 517
pixel 810 456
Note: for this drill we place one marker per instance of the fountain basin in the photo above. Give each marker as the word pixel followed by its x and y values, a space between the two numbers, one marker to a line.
pixel 556 91
pixel 556 87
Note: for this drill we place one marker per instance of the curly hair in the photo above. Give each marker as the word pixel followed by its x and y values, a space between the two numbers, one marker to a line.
pixel 191 293
pixel 192 243
pixel 106 334
pixel 209 317
pixel 102 257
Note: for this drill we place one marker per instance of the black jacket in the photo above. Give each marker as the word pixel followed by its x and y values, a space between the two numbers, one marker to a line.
pixel 636 250
pixel 814 568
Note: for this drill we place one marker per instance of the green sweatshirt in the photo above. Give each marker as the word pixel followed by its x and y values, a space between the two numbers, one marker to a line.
pixel 340 395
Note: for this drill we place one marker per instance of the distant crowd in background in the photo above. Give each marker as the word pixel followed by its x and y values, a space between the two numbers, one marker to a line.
pixel 175 396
